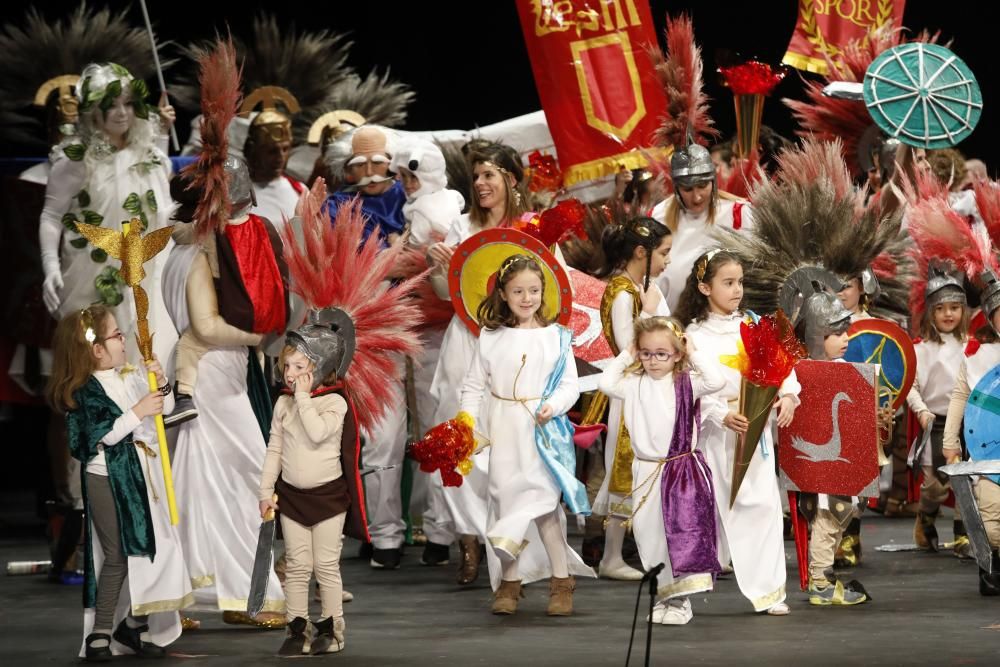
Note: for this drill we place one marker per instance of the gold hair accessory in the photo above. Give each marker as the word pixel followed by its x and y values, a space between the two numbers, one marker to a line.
pixel 703 264
pixel 675 329
pixel 638 228
pixel 87 320
pixel 509 262
pixel 494 165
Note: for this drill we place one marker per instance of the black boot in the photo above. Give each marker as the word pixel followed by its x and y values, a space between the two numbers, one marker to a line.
pixel 132 637
pixel 184 410
pixel 989 583
pixel 329 637
pixel 295 637
pixel 97 653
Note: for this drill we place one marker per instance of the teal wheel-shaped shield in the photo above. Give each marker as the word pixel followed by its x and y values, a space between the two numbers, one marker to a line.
pixel 982 420
pixel 923 94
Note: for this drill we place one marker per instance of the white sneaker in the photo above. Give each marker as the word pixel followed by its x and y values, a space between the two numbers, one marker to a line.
pixel 620 572
pixel 672 612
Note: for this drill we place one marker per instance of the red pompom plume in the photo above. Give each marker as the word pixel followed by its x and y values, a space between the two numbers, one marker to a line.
pixel 558 223
pixel 768 351
pixel 752 77
pixel 545 173
pixel 446 447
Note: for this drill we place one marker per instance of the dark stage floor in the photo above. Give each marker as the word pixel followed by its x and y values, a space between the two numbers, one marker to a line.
pixel 927 610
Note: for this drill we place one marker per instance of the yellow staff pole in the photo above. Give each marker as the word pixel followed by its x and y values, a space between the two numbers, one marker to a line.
pixel 161 433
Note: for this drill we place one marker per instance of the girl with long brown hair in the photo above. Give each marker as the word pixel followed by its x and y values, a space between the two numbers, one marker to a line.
pixel 518 388
pixel 109 418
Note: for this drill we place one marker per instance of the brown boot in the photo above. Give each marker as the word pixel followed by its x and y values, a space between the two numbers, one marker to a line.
pixel 506 597
pixel 472 554
pixel 924 533
pixel 561 596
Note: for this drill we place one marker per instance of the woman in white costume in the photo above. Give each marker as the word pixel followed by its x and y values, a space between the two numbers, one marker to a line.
pixel 752 529
pixel 117 169
pixel 496 202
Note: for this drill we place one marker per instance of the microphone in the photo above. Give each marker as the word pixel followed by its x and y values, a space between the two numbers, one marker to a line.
pixel 653 572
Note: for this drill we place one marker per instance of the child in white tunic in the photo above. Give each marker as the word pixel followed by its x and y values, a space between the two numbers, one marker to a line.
pixel 674 506
pixel 109 417
pixel 522 382
pixel 943 329
pixel 496 174
pixel 635 254
pixel 752 529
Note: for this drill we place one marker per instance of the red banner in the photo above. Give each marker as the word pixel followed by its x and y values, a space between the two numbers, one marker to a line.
pixel 601 97
pixel 825 26
pixel 832 444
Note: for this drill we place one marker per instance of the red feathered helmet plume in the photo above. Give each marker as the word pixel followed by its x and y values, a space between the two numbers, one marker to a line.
pixel 220 98
pixel 333 266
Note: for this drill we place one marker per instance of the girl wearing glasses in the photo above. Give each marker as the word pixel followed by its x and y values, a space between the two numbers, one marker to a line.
pixel 134 568
pixel 660 380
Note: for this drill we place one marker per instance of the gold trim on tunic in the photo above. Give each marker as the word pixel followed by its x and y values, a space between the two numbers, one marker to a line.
pixel 510 546
pixel 620 509
pixel 767 601
pixel 203 581
pixel 620 479
pixel 689 585
pixel 234 604
pixel 163 605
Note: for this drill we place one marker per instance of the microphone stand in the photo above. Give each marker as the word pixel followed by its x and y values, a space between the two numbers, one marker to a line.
pixel 651 578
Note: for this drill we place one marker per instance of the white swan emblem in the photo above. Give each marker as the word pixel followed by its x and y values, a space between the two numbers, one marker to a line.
pixel 829 451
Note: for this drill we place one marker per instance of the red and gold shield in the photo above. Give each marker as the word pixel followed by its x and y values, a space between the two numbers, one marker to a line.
pixel 832 444
pixel 473 269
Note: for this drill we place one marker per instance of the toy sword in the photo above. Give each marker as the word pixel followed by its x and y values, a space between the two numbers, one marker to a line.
pixel 262 563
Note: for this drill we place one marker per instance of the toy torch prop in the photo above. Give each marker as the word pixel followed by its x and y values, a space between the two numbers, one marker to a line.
pixel 750 83
pixel 134 250
pixel 767 352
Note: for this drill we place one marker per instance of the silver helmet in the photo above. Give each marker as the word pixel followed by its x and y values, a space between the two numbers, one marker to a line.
pixel 943 287
pixel 328 341
pixel 990 297
pixel 692 165
pixel 241 194
pixel 809 295
pixel 869 284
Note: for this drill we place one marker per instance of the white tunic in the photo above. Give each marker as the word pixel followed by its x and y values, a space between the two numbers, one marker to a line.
pixel 217 468
pixel 606 503
pixel 937 368
pixel 650 415
pixel 467 503
pixel 98 191
pixel 752 529
pixel 276 200
pixel 516 363
pixel 161 586
pixel 432 215
pixel 692 238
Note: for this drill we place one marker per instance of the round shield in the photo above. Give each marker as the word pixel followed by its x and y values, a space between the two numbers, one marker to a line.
pixel 474 265
pixel 874 341
pixel 923 94
pixel 982 418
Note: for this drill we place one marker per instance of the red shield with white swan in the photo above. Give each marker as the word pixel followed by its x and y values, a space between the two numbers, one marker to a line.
pixel 832 444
